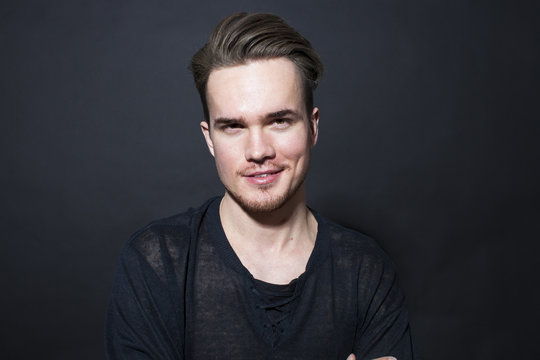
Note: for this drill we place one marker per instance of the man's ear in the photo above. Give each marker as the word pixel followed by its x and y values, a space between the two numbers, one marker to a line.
pixel 206 132
pixel 314 126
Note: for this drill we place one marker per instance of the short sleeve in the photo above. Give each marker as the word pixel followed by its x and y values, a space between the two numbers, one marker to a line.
pixel 383 325
pixel 144 318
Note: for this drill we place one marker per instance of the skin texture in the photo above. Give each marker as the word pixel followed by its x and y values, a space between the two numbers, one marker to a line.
pixel 245 138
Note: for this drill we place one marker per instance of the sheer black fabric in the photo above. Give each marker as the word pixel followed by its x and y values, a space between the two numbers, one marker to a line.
pixel 276 301
pixel 181 292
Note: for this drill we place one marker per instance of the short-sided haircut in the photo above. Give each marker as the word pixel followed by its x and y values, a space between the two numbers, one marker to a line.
pixel 242 37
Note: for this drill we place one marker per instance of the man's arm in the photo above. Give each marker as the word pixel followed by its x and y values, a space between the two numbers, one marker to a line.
pixel 352 357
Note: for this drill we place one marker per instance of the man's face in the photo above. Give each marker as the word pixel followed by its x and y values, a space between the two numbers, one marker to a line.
pixel 259 132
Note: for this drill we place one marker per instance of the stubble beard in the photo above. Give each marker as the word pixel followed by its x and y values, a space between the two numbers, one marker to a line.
pixel 266 202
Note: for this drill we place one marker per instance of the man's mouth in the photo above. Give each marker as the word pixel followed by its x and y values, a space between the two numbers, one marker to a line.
pixel 264 174
pixel 263 177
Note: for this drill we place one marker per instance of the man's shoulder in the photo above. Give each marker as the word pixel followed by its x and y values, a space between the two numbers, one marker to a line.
pixel 347 240
pixel 172 233
pixel 346 233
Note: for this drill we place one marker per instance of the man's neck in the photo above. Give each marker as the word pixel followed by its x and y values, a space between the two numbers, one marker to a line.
pixel 273 246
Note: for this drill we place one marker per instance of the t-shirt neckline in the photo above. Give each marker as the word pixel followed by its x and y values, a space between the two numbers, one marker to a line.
pixel 318 254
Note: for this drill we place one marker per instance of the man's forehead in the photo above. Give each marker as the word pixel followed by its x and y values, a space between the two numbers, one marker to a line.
pixel 257 87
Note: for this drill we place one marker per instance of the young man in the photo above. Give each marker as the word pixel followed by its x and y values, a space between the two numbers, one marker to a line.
pixel 255 274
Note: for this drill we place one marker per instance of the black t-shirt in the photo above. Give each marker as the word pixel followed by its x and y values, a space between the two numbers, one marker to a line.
pixel 181 292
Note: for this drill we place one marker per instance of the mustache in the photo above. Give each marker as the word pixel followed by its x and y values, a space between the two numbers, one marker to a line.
pixel 267 167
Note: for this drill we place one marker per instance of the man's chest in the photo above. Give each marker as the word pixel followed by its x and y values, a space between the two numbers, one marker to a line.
pixel 228 316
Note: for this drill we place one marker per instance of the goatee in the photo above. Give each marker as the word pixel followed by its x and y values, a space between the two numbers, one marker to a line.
pixel 266 202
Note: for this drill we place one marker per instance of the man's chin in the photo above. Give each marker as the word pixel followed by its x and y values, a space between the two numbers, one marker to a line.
pixel 261 204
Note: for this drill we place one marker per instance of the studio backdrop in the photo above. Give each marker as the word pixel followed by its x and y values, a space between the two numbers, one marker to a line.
pixel 428 143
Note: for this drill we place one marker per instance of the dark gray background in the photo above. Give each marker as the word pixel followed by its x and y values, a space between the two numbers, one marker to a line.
pixel 429 125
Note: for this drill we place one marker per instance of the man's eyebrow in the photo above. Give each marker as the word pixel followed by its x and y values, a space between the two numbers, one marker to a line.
pixel 225 121
pixel 282 113
pixel 272 115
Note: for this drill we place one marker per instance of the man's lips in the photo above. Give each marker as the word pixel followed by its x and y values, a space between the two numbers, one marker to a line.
pixel 262 173
pixel 262 177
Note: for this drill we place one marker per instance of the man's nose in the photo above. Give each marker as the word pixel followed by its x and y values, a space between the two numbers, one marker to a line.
pixel 259 146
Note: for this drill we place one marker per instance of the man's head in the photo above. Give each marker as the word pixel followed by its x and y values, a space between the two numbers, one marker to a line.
pixel 256 77
pixel 242 37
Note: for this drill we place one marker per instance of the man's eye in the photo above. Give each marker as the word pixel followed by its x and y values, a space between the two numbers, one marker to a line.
pixel 281 123
pixel 231 127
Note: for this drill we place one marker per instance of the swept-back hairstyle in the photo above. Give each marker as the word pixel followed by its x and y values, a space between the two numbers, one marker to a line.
pixel 242 37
